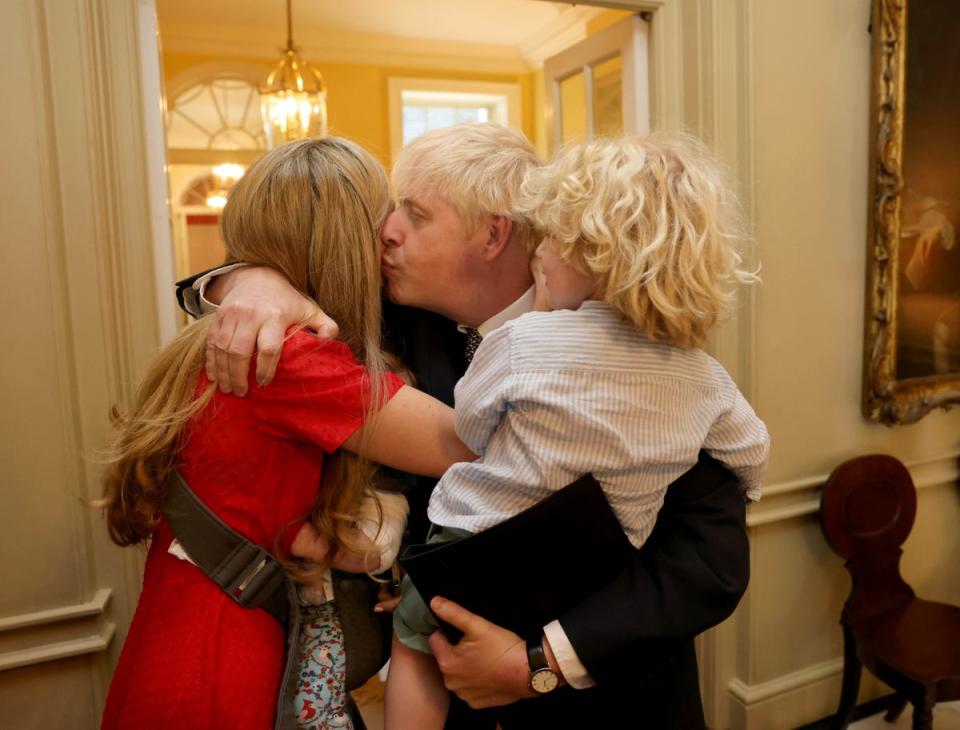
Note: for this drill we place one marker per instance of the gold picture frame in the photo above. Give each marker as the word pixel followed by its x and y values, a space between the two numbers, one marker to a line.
pixel 912 334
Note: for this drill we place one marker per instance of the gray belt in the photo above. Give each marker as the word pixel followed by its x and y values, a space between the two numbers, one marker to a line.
pixel 253 578
pixel 247 573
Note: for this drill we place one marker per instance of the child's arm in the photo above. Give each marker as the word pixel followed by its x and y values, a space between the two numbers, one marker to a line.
pixel 741 442
pixel 482 395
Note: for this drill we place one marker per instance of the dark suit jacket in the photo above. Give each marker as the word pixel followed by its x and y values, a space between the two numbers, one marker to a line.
pixel 635 637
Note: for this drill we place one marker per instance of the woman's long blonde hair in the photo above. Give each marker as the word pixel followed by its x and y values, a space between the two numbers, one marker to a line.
pixel 312 210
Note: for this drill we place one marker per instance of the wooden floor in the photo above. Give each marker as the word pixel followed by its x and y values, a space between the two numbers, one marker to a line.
pixel 946 716
pixel 369 699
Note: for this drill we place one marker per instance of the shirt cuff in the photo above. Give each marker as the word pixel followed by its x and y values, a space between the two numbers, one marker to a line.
pixel 571 667
pixel 200 286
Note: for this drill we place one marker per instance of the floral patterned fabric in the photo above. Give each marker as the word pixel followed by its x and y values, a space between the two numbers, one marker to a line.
pixel 321 701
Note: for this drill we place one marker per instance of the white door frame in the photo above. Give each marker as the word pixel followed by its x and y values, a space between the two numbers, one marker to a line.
pixel 629 39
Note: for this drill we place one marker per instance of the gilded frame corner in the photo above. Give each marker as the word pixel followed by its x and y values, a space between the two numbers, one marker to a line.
pixel 887 399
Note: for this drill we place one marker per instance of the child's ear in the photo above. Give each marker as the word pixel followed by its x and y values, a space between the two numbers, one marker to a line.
pixel 499 228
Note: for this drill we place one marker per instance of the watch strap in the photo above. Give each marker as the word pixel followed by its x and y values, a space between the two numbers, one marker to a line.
pixel 536 656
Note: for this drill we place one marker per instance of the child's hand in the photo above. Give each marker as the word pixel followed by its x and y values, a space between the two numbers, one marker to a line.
pixel 386 601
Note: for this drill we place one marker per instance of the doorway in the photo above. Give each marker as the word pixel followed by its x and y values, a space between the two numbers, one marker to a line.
pixel 389 75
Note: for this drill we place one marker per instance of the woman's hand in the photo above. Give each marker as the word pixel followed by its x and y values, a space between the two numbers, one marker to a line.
pixel 257 306
pixel 386 601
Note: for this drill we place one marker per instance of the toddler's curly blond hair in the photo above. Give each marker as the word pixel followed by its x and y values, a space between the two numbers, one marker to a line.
pixel 655 220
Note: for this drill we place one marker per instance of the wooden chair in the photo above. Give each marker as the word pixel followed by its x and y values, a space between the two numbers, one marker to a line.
pixel 866 511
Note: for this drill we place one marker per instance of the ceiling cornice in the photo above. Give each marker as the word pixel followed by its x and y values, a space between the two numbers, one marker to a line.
pixel 567 28
pixel 346 47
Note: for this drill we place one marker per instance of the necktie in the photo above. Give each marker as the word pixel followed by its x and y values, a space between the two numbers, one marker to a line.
pixel 474 339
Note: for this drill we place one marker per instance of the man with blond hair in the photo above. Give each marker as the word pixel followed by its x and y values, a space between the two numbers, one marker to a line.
pixel 455 264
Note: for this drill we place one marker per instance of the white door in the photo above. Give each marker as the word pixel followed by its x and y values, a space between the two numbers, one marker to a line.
pixel 600 86
pixel 81 323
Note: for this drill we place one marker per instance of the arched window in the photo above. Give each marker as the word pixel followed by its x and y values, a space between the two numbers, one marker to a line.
pixel 219 114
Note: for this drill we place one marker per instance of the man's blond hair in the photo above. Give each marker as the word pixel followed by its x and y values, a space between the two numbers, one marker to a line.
pixel 656 220
pixel 476 167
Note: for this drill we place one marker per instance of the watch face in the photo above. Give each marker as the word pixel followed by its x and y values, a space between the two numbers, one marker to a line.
pixel 543 681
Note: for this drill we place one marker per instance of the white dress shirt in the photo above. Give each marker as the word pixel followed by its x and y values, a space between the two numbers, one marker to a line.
pixel 551 396
pixel 570 665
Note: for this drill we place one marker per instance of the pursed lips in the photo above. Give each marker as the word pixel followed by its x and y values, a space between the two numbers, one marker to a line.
pixel 386 268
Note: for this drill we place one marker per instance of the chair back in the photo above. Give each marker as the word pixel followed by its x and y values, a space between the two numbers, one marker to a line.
pixel 867 510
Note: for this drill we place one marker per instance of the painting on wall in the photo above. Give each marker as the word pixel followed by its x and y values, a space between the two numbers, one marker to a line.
pixel 912 343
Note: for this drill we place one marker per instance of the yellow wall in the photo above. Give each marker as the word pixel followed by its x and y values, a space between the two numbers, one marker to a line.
pixel 606 19
pixel 357 103
pixel 539 112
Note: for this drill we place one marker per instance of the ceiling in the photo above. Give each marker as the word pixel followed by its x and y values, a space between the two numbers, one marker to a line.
pixel 490 22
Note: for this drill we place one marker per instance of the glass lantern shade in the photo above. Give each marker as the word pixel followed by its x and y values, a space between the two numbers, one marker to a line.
pixel 293 102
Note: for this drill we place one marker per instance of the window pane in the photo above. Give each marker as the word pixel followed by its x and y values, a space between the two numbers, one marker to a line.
pixel 424 110
pixel 237 101
pixel 468 114
pixel 233 139
pixel 573 108
pixel 220 114
pixel 608 97
pixel 414 122
pixel 438 117
pixel 181 134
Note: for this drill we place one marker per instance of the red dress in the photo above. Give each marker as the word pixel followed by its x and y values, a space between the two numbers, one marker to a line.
pixel 194 658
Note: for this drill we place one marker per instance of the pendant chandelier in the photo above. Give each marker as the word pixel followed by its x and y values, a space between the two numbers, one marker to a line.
pixel 226 176
pixel 293 99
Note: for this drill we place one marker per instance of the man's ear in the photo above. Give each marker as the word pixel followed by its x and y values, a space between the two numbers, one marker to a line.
pixel 499 229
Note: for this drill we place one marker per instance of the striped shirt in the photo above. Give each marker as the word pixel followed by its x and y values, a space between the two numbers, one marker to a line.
pixel 551 396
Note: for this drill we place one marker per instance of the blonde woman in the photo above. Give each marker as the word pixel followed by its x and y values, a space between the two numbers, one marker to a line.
pixel 193 658
pixel 639 263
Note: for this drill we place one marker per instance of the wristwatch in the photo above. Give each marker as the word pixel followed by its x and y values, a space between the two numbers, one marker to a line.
pixel 543 679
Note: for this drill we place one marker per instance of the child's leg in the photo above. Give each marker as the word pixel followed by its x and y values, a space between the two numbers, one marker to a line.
pixel 415 698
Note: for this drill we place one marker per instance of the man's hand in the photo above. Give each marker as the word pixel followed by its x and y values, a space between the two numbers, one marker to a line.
pixel 258 307
pixel 488 667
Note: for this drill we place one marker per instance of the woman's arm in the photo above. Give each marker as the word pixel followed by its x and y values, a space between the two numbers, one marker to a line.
pixel 412 432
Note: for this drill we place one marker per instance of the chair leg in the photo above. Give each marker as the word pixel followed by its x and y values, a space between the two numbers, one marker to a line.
pixel 851 682
pixel 923 709
pixel 896 708
pixel 923 716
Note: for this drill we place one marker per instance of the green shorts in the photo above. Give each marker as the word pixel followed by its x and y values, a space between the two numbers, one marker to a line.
pixel 413 621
